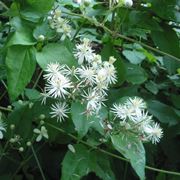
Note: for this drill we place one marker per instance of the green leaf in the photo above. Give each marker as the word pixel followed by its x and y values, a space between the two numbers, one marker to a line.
pixel 115 94
pixel 32 94
pixel 22 34
pixel 45 30
pixel 83 161
pixel 135 74
pixel 131 148
pixel 135 57
pixel 83 123
pixel 175 100
pixel 20 62
pixel 54 52
pixel 143 19
pixel 152 87
pixel 167 10
pixel 33 10
pixel 171 65
pixel 163 112
pixel 167 40
pixel 22 118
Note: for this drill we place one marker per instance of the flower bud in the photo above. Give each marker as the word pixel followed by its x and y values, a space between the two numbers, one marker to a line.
pixel 20 102
pixel 71 148
pixel 58 13
pixel 21 149
pixel 87 2
pixel 178 71
pixel 42 116
pixel 128 3
pixel 12 140
pixel 9 107
pixel 31 105
pixel 41 122
pixel 28 143
pixel 12 126
pixel 41 38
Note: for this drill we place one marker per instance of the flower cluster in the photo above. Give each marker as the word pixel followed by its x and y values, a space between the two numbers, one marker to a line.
pixel 133 116
pixel 60 24
pixel 87 83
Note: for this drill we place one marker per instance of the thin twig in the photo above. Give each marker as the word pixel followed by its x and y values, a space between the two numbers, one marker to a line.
pixel 5 109
pixel 114 34
pixel 109 153
pixel 37 80
pixel 3 5
pixel 38 163
pixel 24 162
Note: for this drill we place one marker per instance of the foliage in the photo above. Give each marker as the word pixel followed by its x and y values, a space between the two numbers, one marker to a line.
pixel 143 37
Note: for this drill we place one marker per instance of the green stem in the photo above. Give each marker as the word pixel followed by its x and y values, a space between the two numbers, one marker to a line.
pixel 109 153
pixel 3 5
pixel 5 109
pixel 114 34
pixel 78 30
pixel 24 162
pixel 4 93
pixel 125 172
pixel 4 149
pixel 38 163
pixel 4 84
pixel 37 80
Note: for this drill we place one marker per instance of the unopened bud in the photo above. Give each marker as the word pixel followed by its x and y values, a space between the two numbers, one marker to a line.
pixel 128 3
pixel 71 148
pixel 9 107
pixel 41 38
pixel 12 126
pixel 42 116
pixel 12 140
pixel 87 2
pixel 41 122
pixel 112 60
pixel 28 143
pixel 20 102
pixel 21 149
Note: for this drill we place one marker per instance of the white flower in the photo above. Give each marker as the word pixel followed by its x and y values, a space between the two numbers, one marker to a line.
pixel 94 100
pixel 84 51
pixel 142 116
pixel 59 24
pixel 137 104
pixel 101 75
pixel 44 96
pixel 53 70
pixel 128 3
pixel 58 86
pixel 78 1
pixel 111 74
pixel 60 111
pixel 41 133
pixel 87 74
pixel 101 87
pixel 123 112
pixel 83 2
pixel 97 59
pixel 2 128
pixel 154 132
pixel 70 71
